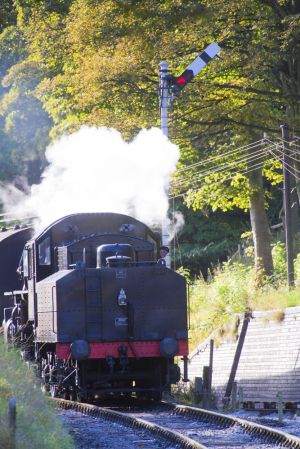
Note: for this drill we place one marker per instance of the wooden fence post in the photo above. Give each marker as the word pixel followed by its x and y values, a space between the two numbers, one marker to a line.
pixel 236 359
pixel 206 381
pixel 240 398
pixel 279 406
pixel 234 397
pixel 12 415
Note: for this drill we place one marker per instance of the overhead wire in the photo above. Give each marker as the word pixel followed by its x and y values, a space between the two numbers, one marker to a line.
pixel 275 146
pixel 290 172
pixel 227 178
pixel 286 164
pixel 241 158
pixel 290 169
pixel 207 161
pixel 192 185
pixel 241 149
pixel 243 171
pixel 290 156
pixel 280 143
pixel 223 167
pixel 256 167
pixel 291 143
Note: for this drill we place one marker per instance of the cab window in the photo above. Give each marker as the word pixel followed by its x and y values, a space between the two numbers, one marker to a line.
pixel 25 264
pixel 44 252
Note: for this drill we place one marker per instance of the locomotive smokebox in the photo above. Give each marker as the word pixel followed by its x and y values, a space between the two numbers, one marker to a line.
pixel 106 254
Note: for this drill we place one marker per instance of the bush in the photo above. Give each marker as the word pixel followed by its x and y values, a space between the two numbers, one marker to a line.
pixel 233 290
pixel 37 425
pixel 214 303
pixel 279 261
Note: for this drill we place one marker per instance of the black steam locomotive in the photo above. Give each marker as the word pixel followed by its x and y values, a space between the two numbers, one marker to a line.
pixel 98 312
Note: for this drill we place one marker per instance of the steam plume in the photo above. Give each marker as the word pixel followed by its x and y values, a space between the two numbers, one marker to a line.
pixel 95 170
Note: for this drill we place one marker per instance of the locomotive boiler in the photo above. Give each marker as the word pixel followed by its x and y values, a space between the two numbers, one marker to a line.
pixel 99 313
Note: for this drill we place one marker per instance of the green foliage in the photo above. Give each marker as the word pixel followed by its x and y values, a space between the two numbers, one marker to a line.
pixel 232 289
pixel 37 426
pixel 24 125
pixel 8 167
pixel 208 239
pixel 65 63
pixel 185 273
pixel 213 303
pixel 7 14
pixel 279 259
pixel 93 56
pixel 219 192
pixel 246 93
pixel 12 48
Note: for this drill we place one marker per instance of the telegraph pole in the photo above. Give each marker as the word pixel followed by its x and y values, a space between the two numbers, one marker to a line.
pixel 287 206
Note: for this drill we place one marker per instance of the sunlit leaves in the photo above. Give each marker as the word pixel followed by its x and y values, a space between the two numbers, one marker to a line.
pixel 273 172
pixel 220 191
pixel 12 48
pixel 95 62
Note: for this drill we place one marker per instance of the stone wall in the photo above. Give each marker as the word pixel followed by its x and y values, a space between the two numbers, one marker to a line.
pixel 269 362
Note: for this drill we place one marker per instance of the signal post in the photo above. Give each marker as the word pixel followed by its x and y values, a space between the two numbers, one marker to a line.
pixel 170 88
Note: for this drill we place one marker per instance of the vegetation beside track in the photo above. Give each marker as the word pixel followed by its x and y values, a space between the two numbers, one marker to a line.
pixel 233 289
pixel 37 426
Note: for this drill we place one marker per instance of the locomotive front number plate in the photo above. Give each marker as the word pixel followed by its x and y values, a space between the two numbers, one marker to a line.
pixel 121 321
pixel 121 274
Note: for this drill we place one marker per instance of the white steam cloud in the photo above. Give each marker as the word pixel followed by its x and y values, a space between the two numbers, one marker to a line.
pixel 95 170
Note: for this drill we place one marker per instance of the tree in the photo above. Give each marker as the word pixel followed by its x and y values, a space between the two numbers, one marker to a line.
pixel 110 53
pixel 85 59
pixel 207 239
pixel 8 15
pixel 250 91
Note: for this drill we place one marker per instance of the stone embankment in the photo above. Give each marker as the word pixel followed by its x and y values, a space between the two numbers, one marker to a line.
pixel 269 362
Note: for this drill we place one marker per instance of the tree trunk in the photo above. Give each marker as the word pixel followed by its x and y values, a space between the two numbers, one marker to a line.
pixel 259 223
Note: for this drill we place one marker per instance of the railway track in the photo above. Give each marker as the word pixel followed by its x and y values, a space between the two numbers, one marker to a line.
pixel 187 427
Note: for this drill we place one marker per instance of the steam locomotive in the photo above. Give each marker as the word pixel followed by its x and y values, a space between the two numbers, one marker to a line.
pixel 97 313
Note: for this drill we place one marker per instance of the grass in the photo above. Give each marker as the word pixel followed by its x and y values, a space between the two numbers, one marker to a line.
pixel 233 290
pixel 37 425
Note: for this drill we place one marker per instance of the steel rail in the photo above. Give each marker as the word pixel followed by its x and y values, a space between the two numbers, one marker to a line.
pixel 266 433
pixel 260 431
pixel 123 418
